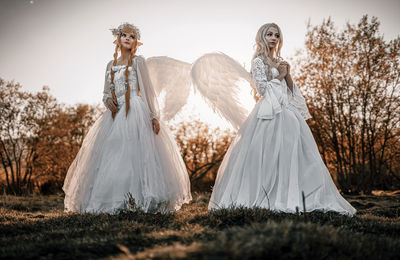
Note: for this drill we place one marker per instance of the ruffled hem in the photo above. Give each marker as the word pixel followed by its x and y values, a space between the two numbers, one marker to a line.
pixel 323 209
pixel 148 205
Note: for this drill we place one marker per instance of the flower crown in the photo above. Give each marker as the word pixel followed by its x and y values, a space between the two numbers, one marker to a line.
pixel 117 31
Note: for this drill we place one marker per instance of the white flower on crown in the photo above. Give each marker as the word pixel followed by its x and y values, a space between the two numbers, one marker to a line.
pixel 117 31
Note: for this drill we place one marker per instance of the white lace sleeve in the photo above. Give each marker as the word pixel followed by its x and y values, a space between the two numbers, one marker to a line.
pixel 270 103
pixel 298 101
pixel 260 77
pixel 107 90
pixel 146 87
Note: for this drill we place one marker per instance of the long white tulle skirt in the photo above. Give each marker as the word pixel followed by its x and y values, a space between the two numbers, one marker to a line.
pixel 270 163
pixel 123 156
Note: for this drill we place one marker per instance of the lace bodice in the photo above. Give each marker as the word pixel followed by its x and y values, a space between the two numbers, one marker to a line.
pixel 139 82
pixel 120 82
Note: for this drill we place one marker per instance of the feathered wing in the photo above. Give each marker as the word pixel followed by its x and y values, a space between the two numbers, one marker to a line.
pixel 172 82
pixel 225 85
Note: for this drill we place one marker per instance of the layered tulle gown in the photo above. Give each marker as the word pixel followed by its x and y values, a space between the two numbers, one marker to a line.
pixel 274 157
pixel 124 156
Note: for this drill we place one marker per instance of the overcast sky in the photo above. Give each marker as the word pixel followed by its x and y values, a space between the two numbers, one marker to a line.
pixel 65 44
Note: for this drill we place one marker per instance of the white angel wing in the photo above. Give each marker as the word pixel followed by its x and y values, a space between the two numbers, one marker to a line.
pixel 172 82
pixel 225 85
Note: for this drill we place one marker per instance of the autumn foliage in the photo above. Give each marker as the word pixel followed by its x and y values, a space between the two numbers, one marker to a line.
pixel 351 83
pixel 39 138
pixel 202 150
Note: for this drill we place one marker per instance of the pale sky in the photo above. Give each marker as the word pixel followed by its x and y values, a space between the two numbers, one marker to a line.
pixel 65 44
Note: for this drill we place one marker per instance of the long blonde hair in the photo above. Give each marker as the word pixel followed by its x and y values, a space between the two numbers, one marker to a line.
pixel 263 50
pixel 132 54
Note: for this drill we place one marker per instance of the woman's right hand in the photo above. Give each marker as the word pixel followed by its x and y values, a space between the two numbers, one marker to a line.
pixel 111 105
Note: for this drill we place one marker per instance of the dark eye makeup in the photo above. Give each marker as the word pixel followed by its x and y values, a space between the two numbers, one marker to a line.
pixel 270 34
pixel 125 35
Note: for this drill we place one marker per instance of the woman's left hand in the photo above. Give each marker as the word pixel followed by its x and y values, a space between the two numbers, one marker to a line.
pixel 287 66
pixel 156 125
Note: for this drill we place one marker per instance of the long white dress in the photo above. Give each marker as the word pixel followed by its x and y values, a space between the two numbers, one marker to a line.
pixel 123 155
pixel 274 157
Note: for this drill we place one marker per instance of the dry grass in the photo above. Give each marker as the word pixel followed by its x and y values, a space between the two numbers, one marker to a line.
pixel 36 227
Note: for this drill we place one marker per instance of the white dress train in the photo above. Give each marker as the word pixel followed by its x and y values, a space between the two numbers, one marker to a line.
pixel 274 157
pixel 123 155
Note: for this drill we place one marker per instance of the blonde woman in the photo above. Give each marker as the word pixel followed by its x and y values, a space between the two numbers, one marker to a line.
pixel 274 161
pixel 127 150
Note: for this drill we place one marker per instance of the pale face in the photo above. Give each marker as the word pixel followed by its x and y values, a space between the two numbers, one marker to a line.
pixel 128 40
pixel 272 37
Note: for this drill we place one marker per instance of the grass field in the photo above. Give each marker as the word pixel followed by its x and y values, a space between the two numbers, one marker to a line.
pixel 36 227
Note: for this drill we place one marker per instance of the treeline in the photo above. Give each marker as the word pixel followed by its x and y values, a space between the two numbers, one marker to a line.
pixel 40 138
pixel 351 83
pixel 349 78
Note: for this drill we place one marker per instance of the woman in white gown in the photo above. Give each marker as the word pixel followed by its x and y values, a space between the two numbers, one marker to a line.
pixel 274 158
pixel 127 150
